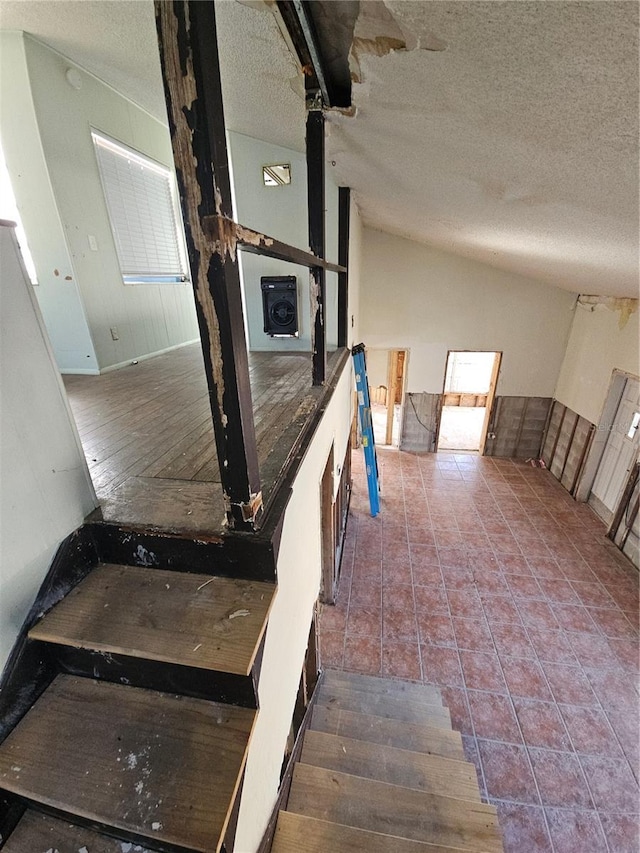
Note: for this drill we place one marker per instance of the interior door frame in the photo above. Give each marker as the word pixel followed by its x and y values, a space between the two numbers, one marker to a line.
pixel 491 395
pixel 615 392
pixel 392 389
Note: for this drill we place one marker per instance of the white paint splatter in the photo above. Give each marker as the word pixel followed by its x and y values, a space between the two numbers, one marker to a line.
pixel 139 786
pixel 156 825
pixel 132 761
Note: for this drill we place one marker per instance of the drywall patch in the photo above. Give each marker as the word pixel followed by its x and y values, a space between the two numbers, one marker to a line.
pixel 626 306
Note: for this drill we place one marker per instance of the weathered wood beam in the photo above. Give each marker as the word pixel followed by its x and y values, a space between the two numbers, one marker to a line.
pixel 191 75
pixel 344 216
pixel 230 236
pixel 316 204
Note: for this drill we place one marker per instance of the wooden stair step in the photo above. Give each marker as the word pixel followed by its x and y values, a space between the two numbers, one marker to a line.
pixel 406 711
pixel 295 832
pixel 212 623
pixel 430 740
pixel 393 810
pixel 149 764
pixel 37 833
pixel 429 773
pixel 384 686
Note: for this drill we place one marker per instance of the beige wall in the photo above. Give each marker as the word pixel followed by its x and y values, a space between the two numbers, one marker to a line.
pixel 287 633
pixel 597 345
pixel 425 300
pixel 46 490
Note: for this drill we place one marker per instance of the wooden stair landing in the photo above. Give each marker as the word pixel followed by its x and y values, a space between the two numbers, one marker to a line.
pixel 212 623
pixel 146 764
pixel 381 771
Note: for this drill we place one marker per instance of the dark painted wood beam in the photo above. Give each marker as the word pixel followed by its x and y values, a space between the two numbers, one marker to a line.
pixel 232 237
pixel 316 206
pixel 298 20
pixel 344 214
pixel 191 75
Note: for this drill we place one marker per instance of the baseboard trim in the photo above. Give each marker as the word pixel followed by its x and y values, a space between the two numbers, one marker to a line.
pixel 146 356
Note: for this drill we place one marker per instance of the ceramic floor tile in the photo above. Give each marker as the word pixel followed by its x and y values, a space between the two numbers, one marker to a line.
pixel 525 678
pixel 401 660
pixel 493 717
pixel 524 828
pixel 362 654
pixel 569 684
pixel 574 831
pixel 542 724
pixel 590 731
pixel 436 630
pixel 514 579
pixel 507 772
pixel 472 634
pixel 612 784
pixel 482 671
pixel 621 831
pixel 441 666
pixel 560 779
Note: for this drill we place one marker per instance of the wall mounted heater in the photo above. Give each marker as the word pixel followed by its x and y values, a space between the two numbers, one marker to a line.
pixel 280 305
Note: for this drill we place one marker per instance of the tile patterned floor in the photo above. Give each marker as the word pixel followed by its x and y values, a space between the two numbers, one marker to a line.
pixel 484 577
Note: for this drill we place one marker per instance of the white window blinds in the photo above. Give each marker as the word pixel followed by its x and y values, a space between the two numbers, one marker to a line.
pixel 142 207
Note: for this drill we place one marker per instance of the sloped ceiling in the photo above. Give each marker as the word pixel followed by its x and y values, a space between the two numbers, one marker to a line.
pixel 502 131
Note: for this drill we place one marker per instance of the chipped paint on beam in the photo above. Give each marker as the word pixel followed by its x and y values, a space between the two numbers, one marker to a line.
pixel 181 83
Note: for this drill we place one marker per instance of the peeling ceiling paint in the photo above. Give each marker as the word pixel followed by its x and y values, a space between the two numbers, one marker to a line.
pixel 516 145
pixel 502 131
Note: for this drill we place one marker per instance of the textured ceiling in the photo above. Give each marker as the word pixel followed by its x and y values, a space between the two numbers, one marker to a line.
pixel 505 131
pixel 516 144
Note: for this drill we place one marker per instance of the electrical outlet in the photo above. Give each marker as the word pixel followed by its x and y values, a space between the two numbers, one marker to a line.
pixel 93 243
pixel 114 334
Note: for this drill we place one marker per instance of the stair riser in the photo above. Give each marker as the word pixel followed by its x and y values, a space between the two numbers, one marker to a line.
pixel 157 675
pixel 232 557
pixel 29 669
pixel 133 838
pixel 11 810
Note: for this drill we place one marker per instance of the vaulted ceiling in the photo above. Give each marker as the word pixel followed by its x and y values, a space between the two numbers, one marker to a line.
pixel 503 131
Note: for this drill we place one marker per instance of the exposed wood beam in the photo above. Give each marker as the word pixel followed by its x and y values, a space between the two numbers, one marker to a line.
pixel 230 236
pixel 299 23
pixel 344 218
pixel 191 75
pixel 316 205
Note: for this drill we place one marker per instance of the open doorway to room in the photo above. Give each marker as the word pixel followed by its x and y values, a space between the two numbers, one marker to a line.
pixel 469 389
pixel 386 371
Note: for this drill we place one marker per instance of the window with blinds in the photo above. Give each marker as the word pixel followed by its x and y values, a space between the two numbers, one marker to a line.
pixel 143 210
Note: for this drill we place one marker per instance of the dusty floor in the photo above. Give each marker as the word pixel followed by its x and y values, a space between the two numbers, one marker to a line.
pixel 484 577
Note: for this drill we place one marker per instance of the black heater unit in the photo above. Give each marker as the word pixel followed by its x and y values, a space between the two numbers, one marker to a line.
pixel 280 305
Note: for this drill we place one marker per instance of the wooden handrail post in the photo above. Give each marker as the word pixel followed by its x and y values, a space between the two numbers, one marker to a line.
pixel 191 75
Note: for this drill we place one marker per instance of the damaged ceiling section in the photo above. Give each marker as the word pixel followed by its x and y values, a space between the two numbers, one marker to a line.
pixel 504 132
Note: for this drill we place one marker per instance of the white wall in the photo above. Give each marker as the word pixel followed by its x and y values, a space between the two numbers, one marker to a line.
pixel 428 301
pixel 597 345
pixel 148 318
pixel 58 295
pixel 280 212
pixel 299 567
pixel 46 489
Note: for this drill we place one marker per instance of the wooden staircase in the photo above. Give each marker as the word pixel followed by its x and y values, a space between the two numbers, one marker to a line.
pixel 381 771
pixel 140 739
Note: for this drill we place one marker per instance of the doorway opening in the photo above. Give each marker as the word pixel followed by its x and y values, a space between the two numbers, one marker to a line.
pixel 386 372
pixel 469 389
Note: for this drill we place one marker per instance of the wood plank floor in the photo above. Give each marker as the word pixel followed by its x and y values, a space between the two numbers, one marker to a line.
pixel 148 438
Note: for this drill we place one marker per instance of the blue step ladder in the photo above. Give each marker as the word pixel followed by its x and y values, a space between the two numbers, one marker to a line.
pixel 366 427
